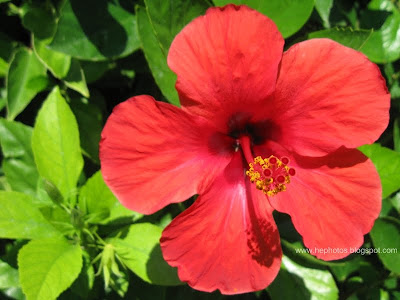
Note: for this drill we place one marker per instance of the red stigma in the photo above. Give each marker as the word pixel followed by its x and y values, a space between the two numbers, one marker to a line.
pixel 271 175
pixel 267 173
pixel 285 160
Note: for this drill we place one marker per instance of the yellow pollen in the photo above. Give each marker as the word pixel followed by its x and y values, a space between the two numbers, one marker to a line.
pixel 271 175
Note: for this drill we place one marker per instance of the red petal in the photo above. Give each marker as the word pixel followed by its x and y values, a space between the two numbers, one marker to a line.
pixel 333 202
pixel 227 239
pixel 226 61
pixel 153 154
pixel 328 96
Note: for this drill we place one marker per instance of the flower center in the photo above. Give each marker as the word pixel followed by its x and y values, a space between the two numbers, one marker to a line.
pixel 271 175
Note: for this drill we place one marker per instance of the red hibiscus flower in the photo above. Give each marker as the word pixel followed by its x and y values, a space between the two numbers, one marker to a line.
pixel 259 129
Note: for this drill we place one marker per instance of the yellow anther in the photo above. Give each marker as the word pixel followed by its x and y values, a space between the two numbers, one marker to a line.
pixel 270 174
pixel 259 184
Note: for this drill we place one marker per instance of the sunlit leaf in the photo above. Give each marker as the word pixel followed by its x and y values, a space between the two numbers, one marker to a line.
pixel 47 267
pixel 387 162
pixel 288 15
pixel 98 201
pixel 18 163
pixel 58 217
pixel 3 70
pixel 26 77
pixel 75 79
pixel 57 62
pixel 20 218
pixel 395 200
pixel 140 251
pixel 55 144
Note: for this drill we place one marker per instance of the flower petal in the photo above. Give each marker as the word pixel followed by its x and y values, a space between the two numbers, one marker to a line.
pixel 333 201
pixel 227 239
pixel 328 96
pixel 226 61
pixel 153 154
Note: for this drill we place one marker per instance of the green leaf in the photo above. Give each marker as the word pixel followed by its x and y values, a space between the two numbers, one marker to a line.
pixel 58 217
pixel 4 186
pixel 288 15
pixel 297 282
pixel 384 44
pixel 163 22
pixel 40 19
pixel 3 68
pixel 323 8
pixel 95 30
pixel 47 194
pixel 14 293
pixel 3 100
pixel 396 134
pixel 387 162
pixel 63 67
pixel 55 144
pixel 7 47
pixel 348 37
pixel 24 81
pixel 98 201
pixel 52 194
pixel 140 251
pixel 299 254
pixel 48 267
pixel 20 219
pixel 344 270
pixel 393 82
pixel 395 201
pixel 386 208
pixel 75 79
pixel 168 17
pixel 95 70
pixel 8 276
pixel 57 62
pixel 90 122
pixel 18 163
pixel 386 238
pixel 156 58
pixel 112 276
pixel 83 285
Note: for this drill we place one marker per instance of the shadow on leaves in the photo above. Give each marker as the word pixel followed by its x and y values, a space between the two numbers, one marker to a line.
pixel 159 271
pixel 97 23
